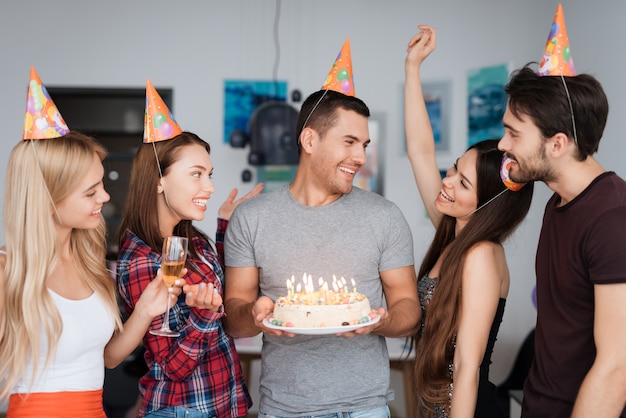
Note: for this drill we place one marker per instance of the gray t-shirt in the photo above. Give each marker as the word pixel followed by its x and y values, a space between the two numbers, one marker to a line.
pixel 357 236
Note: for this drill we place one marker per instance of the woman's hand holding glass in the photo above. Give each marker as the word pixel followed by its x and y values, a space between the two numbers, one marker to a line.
pixel 173 260
pixel 151 300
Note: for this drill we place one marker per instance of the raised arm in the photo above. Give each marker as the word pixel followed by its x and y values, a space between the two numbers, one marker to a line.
pixel 419 134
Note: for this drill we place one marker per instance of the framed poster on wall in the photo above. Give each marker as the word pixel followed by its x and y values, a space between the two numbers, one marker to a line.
pixel 437 96
pixel 486 102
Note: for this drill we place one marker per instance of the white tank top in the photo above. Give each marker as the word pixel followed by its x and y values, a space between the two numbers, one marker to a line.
pixel 78 364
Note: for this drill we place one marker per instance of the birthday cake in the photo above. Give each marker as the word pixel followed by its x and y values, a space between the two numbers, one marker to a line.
pixel 321 308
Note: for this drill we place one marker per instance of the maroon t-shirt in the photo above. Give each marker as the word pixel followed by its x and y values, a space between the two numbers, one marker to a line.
pixel 581 245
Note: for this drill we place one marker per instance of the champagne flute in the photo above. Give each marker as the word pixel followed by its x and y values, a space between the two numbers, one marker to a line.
pixel 172 264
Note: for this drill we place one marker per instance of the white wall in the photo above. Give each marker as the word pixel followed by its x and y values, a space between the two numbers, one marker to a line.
pixel 192 46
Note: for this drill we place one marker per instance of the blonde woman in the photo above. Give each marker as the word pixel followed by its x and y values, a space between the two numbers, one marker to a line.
pixel 59 319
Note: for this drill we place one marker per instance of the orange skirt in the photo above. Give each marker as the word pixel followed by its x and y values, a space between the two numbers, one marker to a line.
pixel 86 404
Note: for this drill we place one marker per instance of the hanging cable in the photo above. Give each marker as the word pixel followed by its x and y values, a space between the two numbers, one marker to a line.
pixel 276 47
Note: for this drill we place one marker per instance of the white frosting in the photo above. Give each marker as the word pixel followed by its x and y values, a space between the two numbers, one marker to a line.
pixel 300 315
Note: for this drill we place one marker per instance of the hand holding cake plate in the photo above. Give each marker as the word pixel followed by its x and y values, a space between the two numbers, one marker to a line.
pixel 320 330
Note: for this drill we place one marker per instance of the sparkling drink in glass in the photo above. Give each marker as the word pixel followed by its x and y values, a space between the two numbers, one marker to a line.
pixel 172 263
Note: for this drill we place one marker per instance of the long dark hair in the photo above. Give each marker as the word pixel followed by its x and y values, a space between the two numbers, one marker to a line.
pixel 140 213
pixel 494 222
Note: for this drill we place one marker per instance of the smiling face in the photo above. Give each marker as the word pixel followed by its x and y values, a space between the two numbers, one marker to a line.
pixel 81 209
pixel 459 193
pixel 186 186
pixel 523 143
pixel 340 154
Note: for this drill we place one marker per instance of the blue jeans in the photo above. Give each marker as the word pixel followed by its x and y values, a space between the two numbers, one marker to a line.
pixel 380 412
pixel 178 412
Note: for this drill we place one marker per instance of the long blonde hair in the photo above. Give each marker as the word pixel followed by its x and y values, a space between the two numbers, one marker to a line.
pixel 40 174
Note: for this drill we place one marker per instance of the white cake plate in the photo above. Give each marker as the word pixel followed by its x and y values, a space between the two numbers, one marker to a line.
pixel 321 330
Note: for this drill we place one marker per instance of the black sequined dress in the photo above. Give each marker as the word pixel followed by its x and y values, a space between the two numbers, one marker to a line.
pixel 487 403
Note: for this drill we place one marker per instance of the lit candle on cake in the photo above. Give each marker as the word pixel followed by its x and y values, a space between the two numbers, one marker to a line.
pixel 309 290
pixel 298 290
pixel 305 293
pixel 345 286
pixel 304 281
pixel 289 290
pixel 320 288
pixel 325 290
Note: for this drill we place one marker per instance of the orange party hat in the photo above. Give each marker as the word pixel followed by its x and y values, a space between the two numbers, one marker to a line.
pixel 42 120
pixel 557 58
pixel 339 78
pixel 159 124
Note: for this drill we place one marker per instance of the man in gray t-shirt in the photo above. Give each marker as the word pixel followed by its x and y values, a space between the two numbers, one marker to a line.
pixel 323 226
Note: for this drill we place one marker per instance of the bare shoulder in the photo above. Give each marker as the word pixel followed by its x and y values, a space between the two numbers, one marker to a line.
pixel 484 250
pixel 486 262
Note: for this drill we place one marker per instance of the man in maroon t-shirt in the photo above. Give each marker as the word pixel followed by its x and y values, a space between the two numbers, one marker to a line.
pixel 553 127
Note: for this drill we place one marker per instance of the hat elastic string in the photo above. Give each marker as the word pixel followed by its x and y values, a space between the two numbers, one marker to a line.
pixel 311 112
pixel 167 202
pixel 485 204
pixel 32 142
pixel 571 109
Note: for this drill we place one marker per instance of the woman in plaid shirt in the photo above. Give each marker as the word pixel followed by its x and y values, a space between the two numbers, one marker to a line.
pixel 197 374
